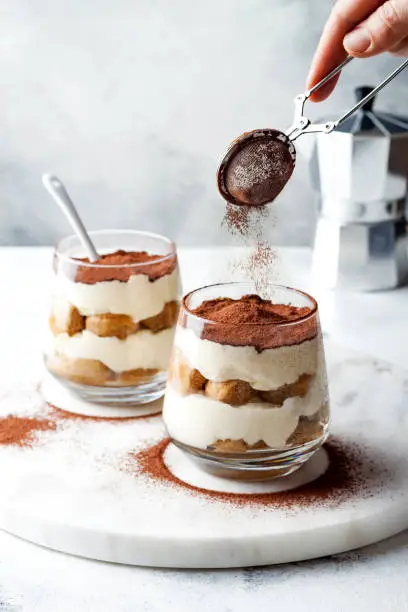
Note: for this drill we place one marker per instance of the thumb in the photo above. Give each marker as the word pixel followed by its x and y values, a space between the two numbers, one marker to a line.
pixel 381 31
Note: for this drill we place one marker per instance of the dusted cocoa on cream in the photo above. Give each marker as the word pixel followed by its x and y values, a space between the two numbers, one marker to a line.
pixel 253 321
pixel 129 263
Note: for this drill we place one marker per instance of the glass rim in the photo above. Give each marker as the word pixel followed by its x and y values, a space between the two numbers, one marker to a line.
pixel 302 319
pixel 89 264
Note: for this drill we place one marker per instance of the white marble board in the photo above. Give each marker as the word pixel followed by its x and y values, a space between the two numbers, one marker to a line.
pixel 73 490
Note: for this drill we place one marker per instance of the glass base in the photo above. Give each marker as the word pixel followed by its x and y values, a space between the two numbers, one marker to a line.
pixel 265 464
pixel 125 396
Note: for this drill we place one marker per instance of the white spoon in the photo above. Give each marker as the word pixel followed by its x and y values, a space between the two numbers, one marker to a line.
pixel 56 188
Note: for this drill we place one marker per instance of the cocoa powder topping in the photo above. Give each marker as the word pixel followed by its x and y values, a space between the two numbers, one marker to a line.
pixel 253 321
pixel 121 265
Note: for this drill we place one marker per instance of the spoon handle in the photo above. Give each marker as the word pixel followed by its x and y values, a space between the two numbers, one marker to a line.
pixel 55 187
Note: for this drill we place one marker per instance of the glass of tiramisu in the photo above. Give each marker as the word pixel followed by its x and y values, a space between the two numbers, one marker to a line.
pixel 112 321
pixel 247 391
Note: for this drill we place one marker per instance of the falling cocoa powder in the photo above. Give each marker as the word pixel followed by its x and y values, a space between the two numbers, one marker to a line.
pixel 260 265
pixel 237 219
pixel 248 224
pixel 245 221
pixel 352 470
pixel 262 256
pixel 255 169
pixel 21 431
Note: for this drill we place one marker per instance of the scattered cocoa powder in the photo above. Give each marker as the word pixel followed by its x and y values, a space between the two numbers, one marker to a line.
pixel 352 470
pixel 21 431
pixel 252 321
pixel 121 265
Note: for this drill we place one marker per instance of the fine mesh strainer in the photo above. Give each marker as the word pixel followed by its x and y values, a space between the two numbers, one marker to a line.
pixel 259 163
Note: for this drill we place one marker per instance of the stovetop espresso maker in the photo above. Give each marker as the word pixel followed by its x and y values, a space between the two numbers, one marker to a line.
pixel 359 172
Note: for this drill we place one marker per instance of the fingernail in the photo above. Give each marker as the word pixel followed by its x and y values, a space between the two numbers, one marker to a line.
pixel 357 41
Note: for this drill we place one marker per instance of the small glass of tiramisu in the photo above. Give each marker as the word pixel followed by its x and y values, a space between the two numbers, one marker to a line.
pixel 112 321
pixel 247 391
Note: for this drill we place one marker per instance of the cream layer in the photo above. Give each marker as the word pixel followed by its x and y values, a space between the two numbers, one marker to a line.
pixel 138 298
pixel 141 350
pixel 199 421
pixel 267 370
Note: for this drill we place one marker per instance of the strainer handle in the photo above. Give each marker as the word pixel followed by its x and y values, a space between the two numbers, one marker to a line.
pixel 303 125
pixel 371 94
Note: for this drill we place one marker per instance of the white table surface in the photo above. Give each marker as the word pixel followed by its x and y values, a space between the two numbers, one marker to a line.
pixel 374 578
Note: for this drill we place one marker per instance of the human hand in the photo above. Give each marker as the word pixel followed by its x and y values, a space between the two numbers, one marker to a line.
pixel 361 28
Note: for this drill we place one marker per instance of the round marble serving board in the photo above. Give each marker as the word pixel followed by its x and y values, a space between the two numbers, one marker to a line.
pixel 79 488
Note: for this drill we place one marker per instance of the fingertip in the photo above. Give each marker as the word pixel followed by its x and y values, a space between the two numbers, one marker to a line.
pixel 314 72
pixel 323 63
pixel 323 92
pixel 319 96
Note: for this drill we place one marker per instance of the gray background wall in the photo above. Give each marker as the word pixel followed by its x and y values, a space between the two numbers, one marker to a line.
pixel 132 102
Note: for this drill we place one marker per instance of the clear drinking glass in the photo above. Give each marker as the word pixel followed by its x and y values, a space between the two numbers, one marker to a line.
pixel 248 399
pixel 112 322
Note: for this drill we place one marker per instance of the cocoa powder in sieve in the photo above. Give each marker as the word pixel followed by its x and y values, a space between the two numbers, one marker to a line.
pixel 352 470
pixel 258 170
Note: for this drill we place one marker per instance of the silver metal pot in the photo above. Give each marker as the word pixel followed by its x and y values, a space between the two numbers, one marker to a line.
pixel 360 173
